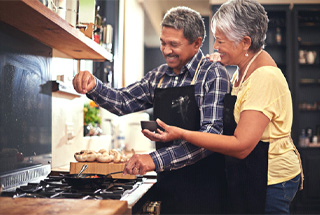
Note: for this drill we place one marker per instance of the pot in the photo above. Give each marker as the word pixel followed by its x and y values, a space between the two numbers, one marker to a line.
pixel 88 180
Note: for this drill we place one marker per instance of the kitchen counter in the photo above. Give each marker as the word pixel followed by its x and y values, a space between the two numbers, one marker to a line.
pixel 133 197
pixel 61 206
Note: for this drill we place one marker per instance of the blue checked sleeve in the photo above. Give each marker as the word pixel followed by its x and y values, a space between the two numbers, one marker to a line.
pixel 135 97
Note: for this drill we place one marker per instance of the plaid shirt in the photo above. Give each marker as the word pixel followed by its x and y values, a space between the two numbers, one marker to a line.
pixel 212 83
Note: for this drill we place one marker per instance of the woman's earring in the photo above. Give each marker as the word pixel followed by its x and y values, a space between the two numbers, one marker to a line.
pixel 246 54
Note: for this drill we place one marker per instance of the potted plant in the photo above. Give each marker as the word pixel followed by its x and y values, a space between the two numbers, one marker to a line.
pixel 92 119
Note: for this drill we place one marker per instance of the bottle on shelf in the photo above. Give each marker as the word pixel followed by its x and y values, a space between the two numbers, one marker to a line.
pixel 309 135
pixel 97 26
pixel 278 36
pixel 315 139
pixel 302 138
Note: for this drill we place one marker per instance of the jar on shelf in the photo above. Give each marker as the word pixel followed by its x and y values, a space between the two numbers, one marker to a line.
pixel 302 56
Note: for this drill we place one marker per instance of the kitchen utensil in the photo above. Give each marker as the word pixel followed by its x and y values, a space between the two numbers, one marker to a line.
pixel 88 180
pixel 150 125
pixel 84 167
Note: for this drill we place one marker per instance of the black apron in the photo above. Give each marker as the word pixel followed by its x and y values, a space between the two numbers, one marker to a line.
pixel 247 178
pixel 199 188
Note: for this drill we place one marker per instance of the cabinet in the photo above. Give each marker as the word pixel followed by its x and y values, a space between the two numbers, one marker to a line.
pixel 39 22
pixel 105 70
pixel 306 43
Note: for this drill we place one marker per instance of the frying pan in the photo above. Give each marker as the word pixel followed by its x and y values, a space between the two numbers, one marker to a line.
pixel 85 181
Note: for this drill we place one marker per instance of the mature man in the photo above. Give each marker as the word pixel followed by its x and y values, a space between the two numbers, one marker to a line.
pixel 188 92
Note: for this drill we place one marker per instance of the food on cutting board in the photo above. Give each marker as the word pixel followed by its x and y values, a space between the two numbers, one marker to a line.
pixel 103 155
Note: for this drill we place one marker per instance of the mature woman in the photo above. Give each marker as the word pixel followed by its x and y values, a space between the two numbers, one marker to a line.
pixel 263 165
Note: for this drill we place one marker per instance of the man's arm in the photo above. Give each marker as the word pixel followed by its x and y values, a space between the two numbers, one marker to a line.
pixel 135 97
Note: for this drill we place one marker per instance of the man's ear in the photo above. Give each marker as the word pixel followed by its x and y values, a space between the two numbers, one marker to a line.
pixel 198 43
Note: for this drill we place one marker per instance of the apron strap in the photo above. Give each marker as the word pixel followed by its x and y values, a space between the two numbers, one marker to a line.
pixel 159 84
pixel 298 155
pixel 300 162
pixel 194 77
pixel 196 73
pixel 246 70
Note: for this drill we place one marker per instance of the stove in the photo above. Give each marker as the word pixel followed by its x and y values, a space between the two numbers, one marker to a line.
pixel 57 188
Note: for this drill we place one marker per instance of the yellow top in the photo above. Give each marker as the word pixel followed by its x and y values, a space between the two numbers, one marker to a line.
pixel 266 90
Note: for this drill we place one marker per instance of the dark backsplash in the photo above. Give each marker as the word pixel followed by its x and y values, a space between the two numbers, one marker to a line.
pixel 25 109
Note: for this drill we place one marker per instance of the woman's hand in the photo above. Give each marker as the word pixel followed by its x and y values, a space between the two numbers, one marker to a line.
pixel 170 133
pixel 214 57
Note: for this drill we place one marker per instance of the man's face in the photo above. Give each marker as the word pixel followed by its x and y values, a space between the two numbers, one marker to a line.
pixel 176 49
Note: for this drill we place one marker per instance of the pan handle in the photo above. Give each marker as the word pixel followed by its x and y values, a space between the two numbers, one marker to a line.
pixel 112 173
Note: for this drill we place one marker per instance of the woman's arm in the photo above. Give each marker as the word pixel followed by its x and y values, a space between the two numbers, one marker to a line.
pixel 246 136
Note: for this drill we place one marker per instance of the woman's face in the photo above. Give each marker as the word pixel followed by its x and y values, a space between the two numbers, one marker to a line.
pixel 230 53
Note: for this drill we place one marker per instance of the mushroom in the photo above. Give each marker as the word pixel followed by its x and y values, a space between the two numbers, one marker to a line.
pixel 116 154
pixel 79 156
pixel 104 157
pixel 91 156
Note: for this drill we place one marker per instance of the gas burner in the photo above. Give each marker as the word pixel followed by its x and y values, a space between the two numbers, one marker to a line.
pixel 56 187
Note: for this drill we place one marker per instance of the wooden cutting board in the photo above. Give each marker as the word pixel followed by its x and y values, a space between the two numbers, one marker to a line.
pixel 100 168
pixel 61 206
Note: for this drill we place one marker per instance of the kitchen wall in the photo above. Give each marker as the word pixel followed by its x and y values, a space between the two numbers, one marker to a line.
pixel 133 45
pixel 67 116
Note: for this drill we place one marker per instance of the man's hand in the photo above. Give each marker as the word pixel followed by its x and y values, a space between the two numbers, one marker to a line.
pixel 83 82
pixel 139 165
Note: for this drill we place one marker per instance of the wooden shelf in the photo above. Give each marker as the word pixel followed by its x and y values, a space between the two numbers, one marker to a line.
pixel 36 20
pixel 309 44
pixel 58 86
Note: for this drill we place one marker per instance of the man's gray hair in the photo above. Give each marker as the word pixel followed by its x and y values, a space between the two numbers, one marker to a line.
pixel 187 19
pixel 239 18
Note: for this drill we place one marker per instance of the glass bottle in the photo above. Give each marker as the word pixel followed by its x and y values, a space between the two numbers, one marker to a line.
pixel 309 135
pixel 97 26
pixel 302 138
pixel 278 36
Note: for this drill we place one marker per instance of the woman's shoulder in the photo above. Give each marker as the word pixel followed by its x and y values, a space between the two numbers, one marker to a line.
pixel 269 77
pixel 271 73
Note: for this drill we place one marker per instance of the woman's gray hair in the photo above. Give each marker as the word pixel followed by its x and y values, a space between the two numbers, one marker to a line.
pixel 187 19
pixel 239 18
